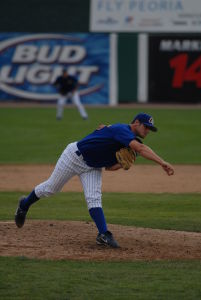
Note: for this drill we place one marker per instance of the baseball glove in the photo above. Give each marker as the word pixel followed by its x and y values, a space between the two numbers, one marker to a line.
pixel 126 157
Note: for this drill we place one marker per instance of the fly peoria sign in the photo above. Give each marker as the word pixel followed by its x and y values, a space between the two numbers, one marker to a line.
pixel 145 16
pixel 30 64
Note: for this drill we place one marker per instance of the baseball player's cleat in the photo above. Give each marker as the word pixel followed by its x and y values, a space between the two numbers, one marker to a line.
pixel 20 214
pixel 106 239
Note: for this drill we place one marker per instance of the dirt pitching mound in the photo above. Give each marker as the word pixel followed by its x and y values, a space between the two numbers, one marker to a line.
pixel 76 240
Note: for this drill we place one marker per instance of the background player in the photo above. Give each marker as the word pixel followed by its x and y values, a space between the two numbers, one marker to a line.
pixel 86 159
pixel 67 87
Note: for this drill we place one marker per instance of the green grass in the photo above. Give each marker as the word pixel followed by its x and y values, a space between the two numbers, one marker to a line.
pixel 32 135
pixel 25 279
pixel 29 279
pixel 164 211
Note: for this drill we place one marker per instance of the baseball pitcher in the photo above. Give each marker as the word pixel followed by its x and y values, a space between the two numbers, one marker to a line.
pixel 111 147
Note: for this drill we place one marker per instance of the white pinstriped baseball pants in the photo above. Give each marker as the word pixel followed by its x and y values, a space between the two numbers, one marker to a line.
pixel 68 165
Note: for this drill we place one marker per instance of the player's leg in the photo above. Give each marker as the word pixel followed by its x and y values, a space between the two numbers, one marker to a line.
pixel 61 174
pixel 60 107
pixel 63 171
pixel 92 183
pixel 76 101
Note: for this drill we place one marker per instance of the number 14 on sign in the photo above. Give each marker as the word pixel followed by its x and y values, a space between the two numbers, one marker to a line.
pixel 183 72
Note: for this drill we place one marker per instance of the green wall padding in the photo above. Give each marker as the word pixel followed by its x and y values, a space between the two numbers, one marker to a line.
pixel 44 16
pixel 127 66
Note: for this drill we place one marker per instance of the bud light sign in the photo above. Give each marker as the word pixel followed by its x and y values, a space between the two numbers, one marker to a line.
pixel 30 64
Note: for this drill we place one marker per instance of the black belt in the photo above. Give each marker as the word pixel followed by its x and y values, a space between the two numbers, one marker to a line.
pixel 78 153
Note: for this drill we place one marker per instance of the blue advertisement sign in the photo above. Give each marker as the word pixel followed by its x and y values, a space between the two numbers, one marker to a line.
pixel 30 64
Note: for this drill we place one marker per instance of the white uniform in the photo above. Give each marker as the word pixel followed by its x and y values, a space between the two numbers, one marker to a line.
pixel 69 165
pixel 76 101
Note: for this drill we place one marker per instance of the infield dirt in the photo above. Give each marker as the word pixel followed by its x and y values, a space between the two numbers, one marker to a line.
pixel 139 179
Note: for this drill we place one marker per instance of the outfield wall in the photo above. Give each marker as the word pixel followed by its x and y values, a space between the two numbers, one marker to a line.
pixel 137 69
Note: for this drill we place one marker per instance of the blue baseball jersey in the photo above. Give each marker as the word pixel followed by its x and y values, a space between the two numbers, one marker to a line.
pixel 98 148
pixel 66 84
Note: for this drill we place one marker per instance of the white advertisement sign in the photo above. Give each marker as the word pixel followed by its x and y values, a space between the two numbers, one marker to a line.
pixel 145 16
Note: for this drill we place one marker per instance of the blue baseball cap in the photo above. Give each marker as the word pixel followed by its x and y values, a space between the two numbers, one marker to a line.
pixel 147 120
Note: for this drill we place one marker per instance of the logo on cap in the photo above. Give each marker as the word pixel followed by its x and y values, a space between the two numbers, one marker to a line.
pixel 151 120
